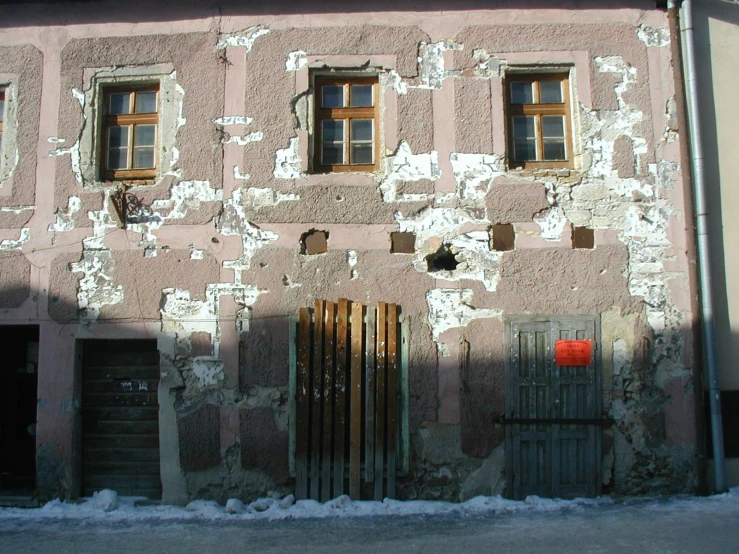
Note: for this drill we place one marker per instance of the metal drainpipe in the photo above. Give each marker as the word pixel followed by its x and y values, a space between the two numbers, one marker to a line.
pixel 704 257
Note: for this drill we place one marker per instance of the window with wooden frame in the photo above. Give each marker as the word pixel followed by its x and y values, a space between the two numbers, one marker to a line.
pixel 346 124
pixel 130 133
pixel 539 120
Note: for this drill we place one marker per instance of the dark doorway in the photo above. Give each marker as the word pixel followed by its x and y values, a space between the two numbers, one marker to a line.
pixel 18 386
pixel 120 417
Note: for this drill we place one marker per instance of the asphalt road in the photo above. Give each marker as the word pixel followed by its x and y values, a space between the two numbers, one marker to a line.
pixel 663 526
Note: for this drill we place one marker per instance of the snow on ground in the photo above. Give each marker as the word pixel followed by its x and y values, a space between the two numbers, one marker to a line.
pixel 107 506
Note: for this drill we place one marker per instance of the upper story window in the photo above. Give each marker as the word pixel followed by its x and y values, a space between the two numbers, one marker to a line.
pixel 346 124
pixel 539 121
pixel 130 126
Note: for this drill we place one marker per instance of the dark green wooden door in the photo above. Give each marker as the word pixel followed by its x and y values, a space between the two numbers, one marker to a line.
pixel 552 412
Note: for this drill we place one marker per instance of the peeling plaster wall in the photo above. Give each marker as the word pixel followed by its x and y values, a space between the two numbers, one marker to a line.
pixel 210 264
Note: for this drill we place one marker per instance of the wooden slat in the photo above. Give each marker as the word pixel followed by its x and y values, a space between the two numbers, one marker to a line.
pixel 120 454
pixel 369 395
pixel 380 404
pixel 355 434
pixel 116 400
pixel 317 376
pixel 102 427
pixel 303 406
pixel 128 386
pixel 142 413
pixel 121 372
pixel 96 467
pixel 122 441
pixel 328 402
pixel 342 349
pixel 392 399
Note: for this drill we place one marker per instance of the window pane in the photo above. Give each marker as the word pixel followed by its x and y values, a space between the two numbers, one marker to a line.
pixel 332 154
pixel 362 129
pixel 143 158
pixel 146 102
pixel 554 149
pixel 144 135
pixel 117 158
pixel 553 126
pixel 361 153
pixel 361 96
pixel 551 92
pixel 117 137
pixel 120 103
pixel 522 93
pixel 333 96
pixel 333 130
pixel 525 150
pixel 524 127
pixel 2 109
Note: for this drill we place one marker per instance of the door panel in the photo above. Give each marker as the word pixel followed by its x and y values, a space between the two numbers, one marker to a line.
pixel 545 455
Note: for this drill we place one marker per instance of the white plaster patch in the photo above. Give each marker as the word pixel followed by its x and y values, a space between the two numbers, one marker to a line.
pixel 234 222
pixel 9 244
pixel 240 176
pixel 475 173
pixel 407 166
pixel 393 79
pixel 17 210
pixel 351 258
pixel 653 37
pixel 65 218
pixel 451 308
pixel 296 60
pixel 208 371
pixel 243 140
pixel 431 70
pixel 96 288
pixel 243 39
pixel 196 254
pixel 233 120
pixel 287 162
pixel 184 196
pixel 266 197
pixel 552 222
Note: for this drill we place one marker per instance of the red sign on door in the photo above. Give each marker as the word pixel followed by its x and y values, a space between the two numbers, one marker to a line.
pixel 572 352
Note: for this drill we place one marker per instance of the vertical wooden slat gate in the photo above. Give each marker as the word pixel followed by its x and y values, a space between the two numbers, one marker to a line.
pixel 553 414
pixel 347 400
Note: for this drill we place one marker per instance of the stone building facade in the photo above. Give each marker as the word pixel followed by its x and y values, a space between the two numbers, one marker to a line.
pixel 163 171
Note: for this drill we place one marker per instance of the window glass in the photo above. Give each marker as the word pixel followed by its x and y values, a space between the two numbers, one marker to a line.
pixel 143 142
pixel 146 102
pixel 551 92
pixel 333 96
pixel 2 106
pixel 332 154
pixel 554 149
pixel 553 126
pixel 118 137
pixel 522 93
pixel 117 148
pixel 524 127
pixel 144 135
pixel 120 103
pixel 333 130
pixel 362 129
pixel 361 96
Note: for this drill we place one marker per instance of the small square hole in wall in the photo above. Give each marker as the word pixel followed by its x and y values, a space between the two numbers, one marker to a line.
pixel 582 237
pixel 402 243
pixel 504 237
pixel 314 242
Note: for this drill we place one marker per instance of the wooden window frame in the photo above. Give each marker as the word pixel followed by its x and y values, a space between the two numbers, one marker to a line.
pixel 346 114
pixel 538 110
pixel 129 120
